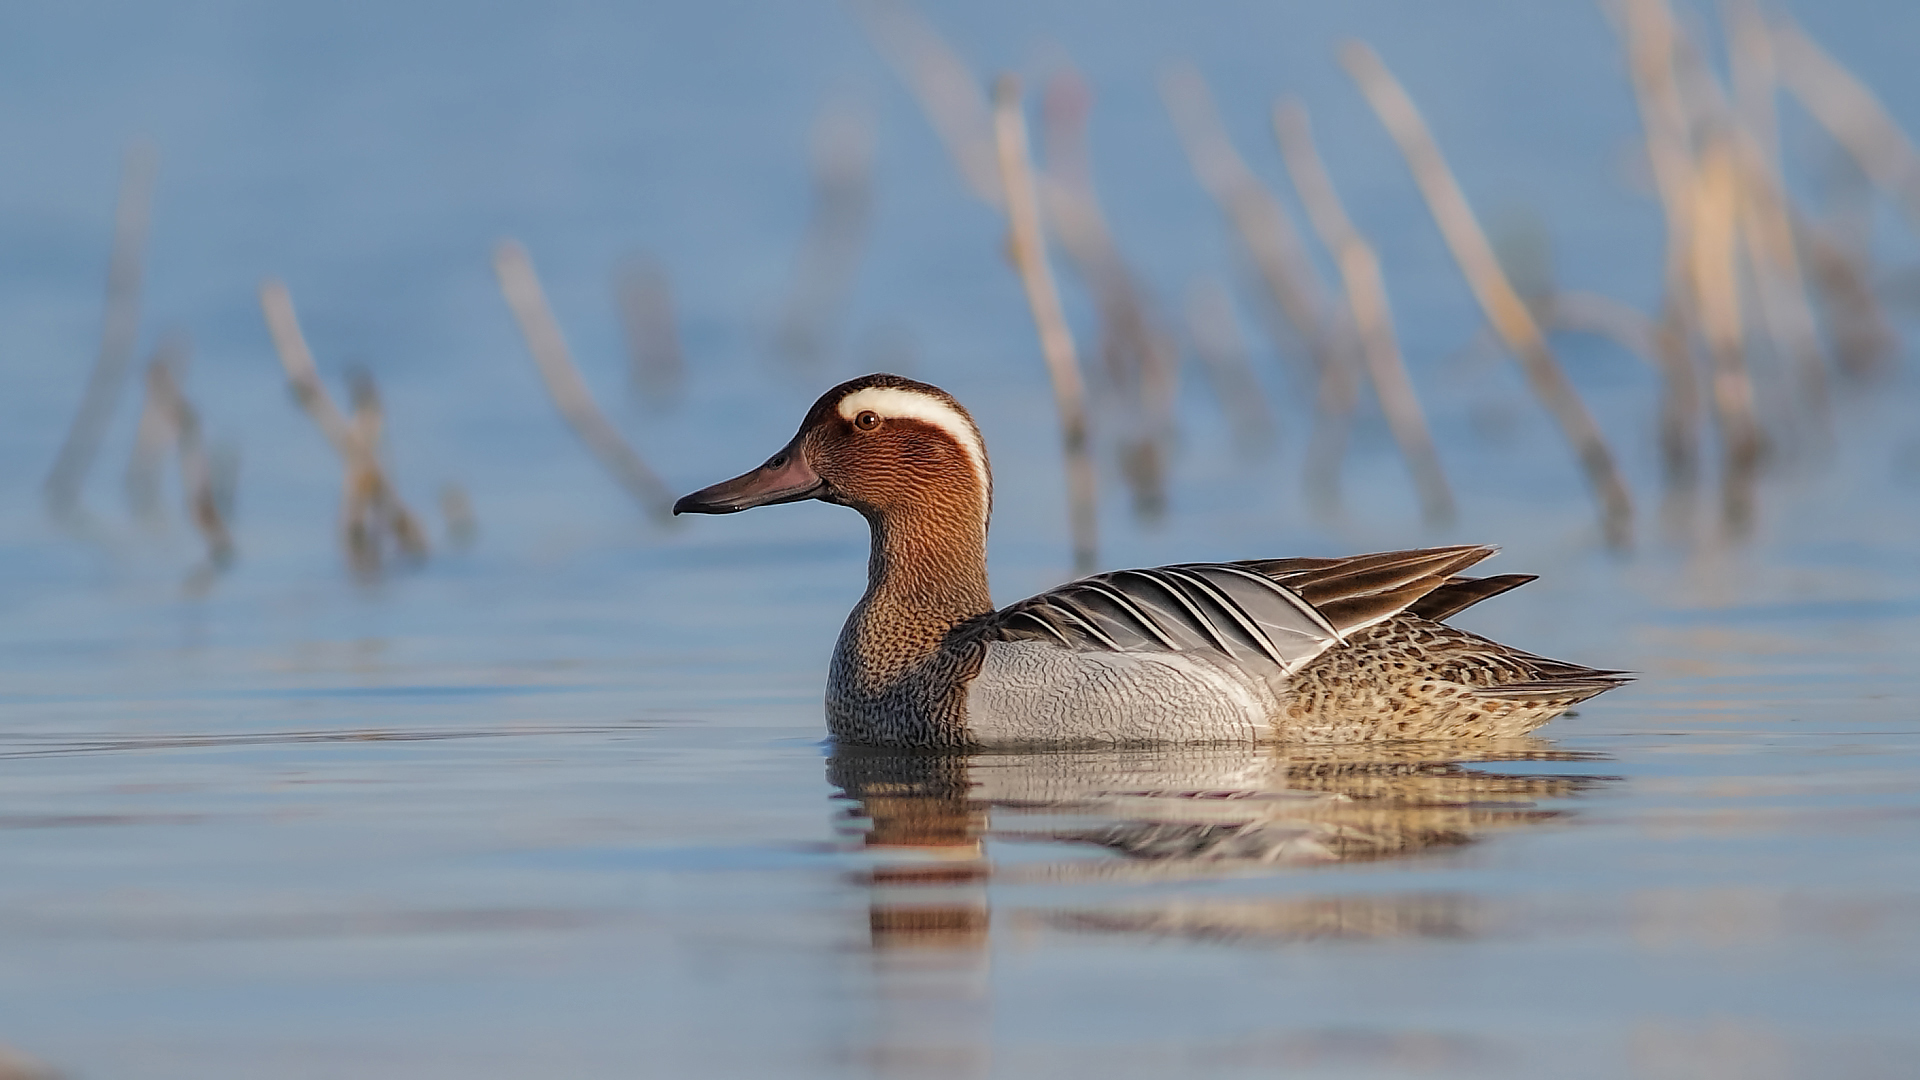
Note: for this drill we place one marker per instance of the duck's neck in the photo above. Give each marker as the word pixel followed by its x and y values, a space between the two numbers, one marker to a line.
pixel 926 574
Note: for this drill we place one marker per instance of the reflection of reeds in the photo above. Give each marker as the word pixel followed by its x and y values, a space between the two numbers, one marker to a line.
pixel 569 392
pixel 1267 234
pixel 372 512
pixel 1140 362
pixel 1367 295
pixel 1026 244
pixel 1508 313
pixel 1215 334
pixel 120 325
pixel 842 204
pixel 644 296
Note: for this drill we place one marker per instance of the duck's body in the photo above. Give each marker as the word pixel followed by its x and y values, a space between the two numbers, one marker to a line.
pixel 1288 649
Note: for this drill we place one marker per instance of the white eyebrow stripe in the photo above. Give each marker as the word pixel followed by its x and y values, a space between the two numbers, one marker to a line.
pixel 892 402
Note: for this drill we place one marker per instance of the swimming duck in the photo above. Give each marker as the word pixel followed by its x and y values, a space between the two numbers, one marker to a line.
pixel 1315 650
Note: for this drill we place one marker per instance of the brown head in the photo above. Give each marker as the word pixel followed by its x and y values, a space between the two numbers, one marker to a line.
pixel 888 447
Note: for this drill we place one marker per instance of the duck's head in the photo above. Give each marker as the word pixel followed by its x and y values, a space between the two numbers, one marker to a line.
pixel 881 444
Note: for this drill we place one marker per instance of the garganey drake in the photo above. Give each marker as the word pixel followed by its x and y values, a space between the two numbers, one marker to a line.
pixel 1314 650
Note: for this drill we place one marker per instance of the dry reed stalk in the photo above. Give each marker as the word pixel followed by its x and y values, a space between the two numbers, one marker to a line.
pixel 276 303
pixel 1852 114
pixel 1267 233
pixel 1842 274
pixel 656 369
pixel 1026 244
pixel 1140 362
pixel 842 150
pixel 169 422
pixel 1259 220
pixel 1716 218
pixel 1786 313
pixel 1372 316
pixel 1747 124
pixel 157 432
pixel 197 481
pixel 1649 33
pixel 1755 75
pixel 1505 310
pixel 371 509
pixel 521 287
pixel 120 326
pixel 1741 204
pixel 946 88
pixel 1839 258
pixel 1213 329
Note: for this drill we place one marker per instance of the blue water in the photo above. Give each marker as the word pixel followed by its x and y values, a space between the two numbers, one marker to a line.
pixel 559 804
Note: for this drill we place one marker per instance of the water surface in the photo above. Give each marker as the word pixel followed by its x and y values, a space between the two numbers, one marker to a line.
pixel 560 804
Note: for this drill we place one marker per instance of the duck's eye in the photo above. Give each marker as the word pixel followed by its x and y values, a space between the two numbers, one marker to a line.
pixel 867 421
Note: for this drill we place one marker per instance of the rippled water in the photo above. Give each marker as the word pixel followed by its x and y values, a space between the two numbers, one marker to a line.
pixel 559 805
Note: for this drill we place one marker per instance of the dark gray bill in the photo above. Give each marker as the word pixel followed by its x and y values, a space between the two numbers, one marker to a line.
pixel 786 477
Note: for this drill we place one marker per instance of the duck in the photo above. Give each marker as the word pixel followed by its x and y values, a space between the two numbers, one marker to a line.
pixel 1311 650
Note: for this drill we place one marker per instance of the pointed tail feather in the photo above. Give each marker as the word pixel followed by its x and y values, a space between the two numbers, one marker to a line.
pixel 1459 594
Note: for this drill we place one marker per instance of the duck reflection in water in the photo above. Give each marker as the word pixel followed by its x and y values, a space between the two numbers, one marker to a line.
pixel 1169 814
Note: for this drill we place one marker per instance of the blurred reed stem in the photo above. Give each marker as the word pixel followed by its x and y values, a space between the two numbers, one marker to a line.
pixel 948 91
pixel 1647 28
pixel 120 327
pixel 374 509
pixel 168 421
pixel 1852 114
pixel 1372 315
pixel 1026 243
pixel 1267 233
pixel 156 432
pixel 276 303
pixel 1222 353
pixel 1140 363
pixel 521 288
pixel 197 480
pixel 1508 313
pixel 1784 296
pixel 371 508
pixel 1717 296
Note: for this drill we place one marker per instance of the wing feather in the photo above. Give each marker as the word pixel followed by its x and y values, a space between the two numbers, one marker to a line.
pixel 1282 612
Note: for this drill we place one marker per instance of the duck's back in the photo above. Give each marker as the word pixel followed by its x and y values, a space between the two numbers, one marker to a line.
pixel 1294 649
